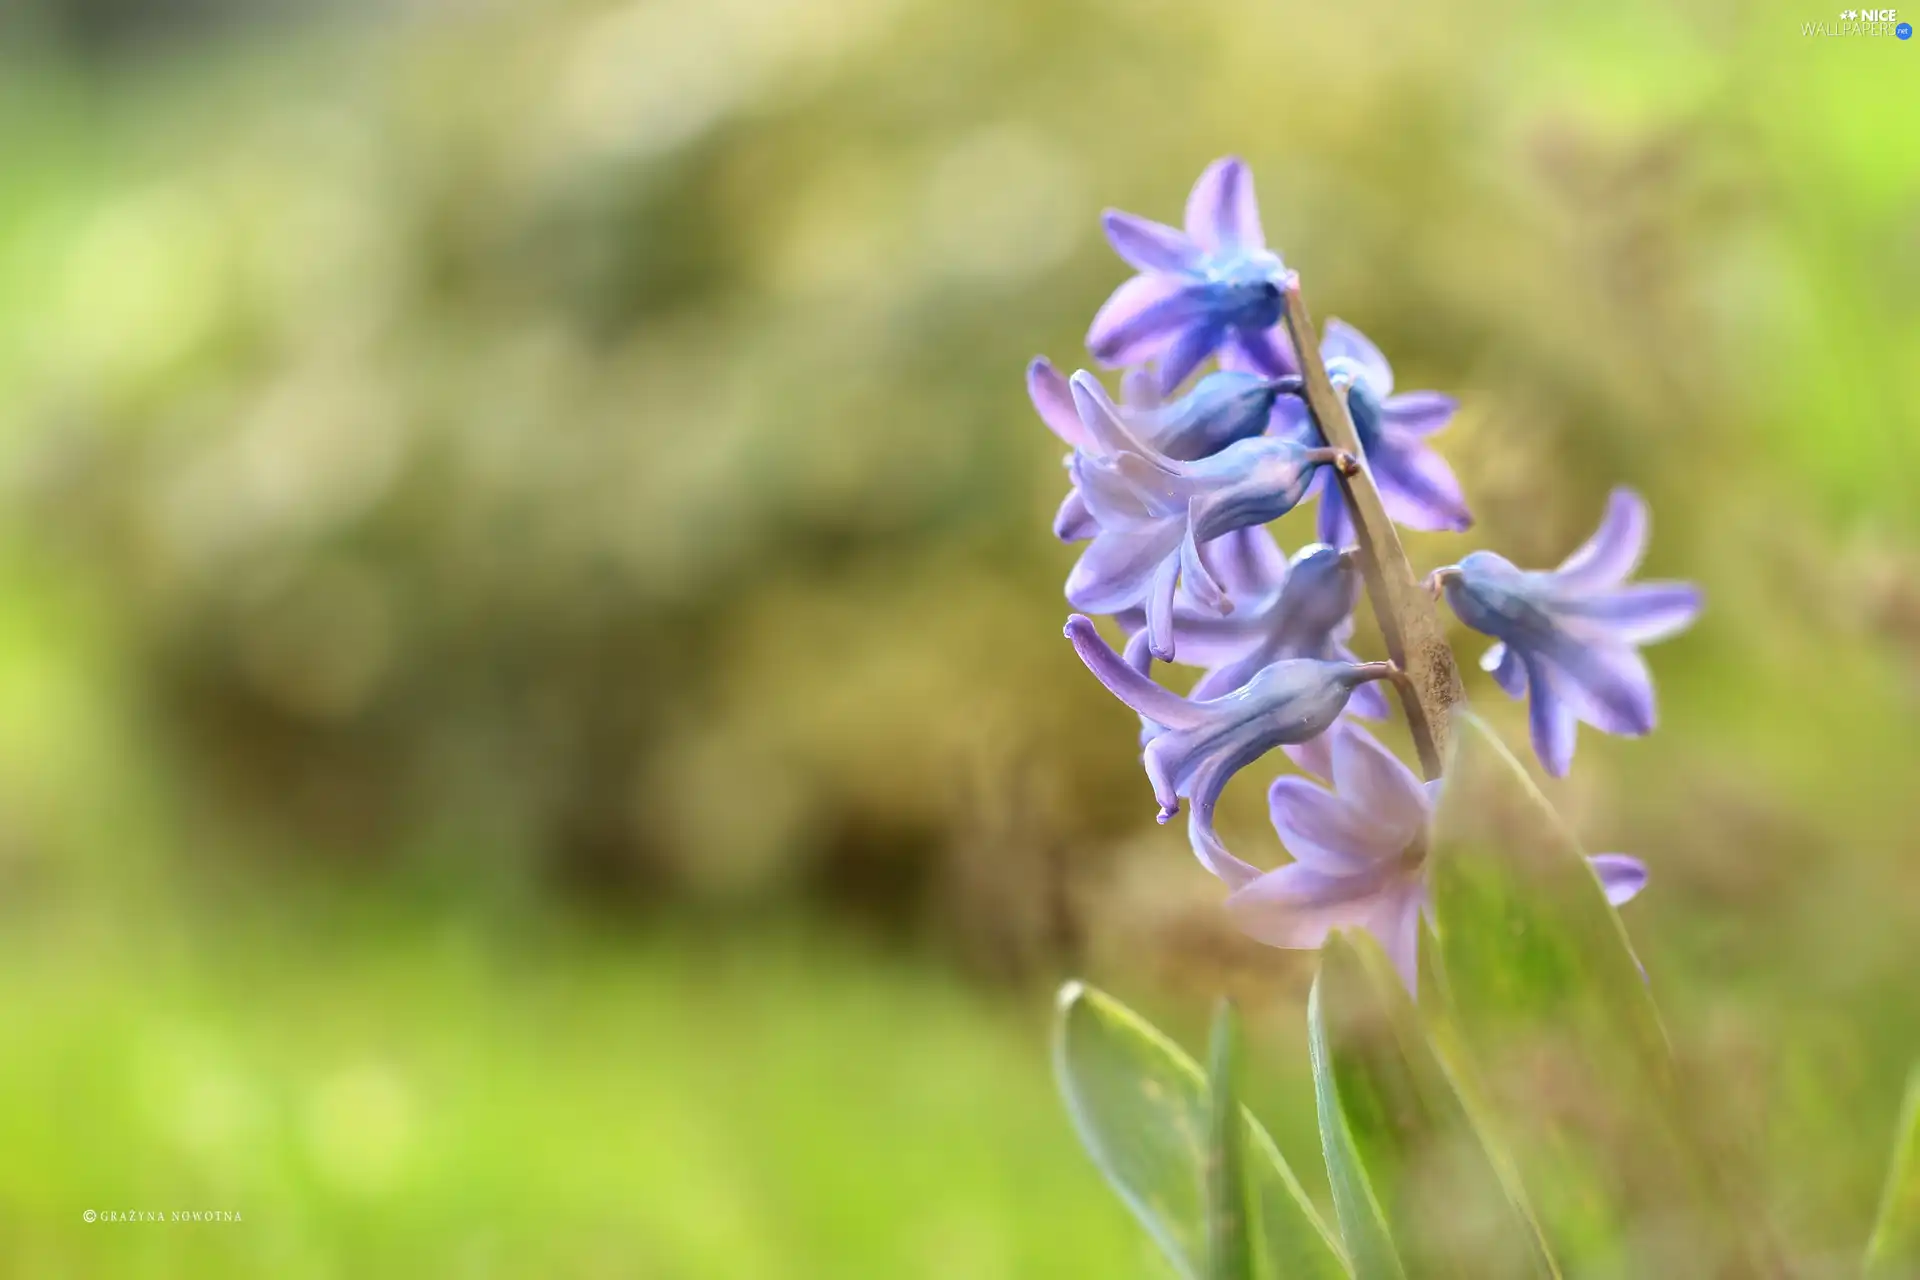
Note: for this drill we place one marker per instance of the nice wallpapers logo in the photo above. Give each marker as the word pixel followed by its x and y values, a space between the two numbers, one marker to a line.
pixel 1862 22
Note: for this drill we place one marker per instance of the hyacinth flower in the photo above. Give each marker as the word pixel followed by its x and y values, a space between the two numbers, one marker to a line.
pixel 1222 407
pixel 1302 608
pixel 1360 855
pixel 1417 487
pixel 1203 743
pixel 1569 638
pixel 1213 288
pixel 1155 512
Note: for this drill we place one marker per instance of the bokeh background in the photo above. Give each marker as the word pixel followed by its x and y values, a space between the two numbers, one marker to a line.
pixel 534 732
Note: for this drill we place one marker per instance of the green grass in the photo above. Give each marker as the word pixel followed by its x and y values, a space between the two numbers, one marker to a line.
pixel 452 1101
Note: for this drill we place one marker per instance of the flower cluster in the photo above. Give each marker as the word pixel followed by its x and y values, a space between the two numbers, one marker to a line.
pixel 1171 492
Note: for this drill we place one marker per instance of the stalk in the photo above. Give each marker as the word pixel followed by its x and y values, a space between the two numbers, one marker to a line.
pixel 1409 619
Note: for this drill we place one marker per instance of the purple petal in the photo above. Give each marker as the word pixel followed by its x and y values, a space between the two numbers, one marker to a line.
pixel 1367 702
pixel 1047 388
pixel 1641 613
pixel 1418 488
pixel 1396 923
pixel 1334 526
pixel 1267 352
pixel 1106 430
pixel 1298 906
pixel 1221 210
pixel 1290 420
pixel 1550 720
pixel 1343 340
pixel 1248 562
pixel 1137 691
pixel 1324 831
pixel 1142 317
pixel 1315 755
pixel 1615 549
pixel 1232 674
pixel 1117 507
pixel 1372 780
pixel 1149 245
pixel 1608 686
pixel 1199 584
pixel 1140 390
pixel 1189 351
pixel 1073 522
pixel 1419 413
pixel 1205 841
pixel 1506 669
pixel 1621 876
pixel 1116 570
pixel 1166 576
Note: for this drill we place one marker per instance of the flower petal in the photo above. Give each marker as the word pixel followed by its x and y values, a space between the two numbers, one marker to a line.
pixel 1615 549
pixel 1550 719
pixel 1140 390
pixel 1157 704
pixel 1221 211
pixel 1396 923
pixel 1100 417
pixel 1298 906
pixel 1267 352
pixel 1324 831
pixel 1200 339
pixel 1166 575
pixel 1143 317
pixel 1315 755
pixel 1506 668
pixel 1116 570
pixel 1148 245
pixel 1247 562
pixel 1343 341
pixel 1047 388
pixel 1073 522
pixel 1367 702
pixel 1621 876
pixel 1334 524
pixel 1642 612
pixel 1419 413
pixel 1606 685
pixel 1417 487
pixel 1372 780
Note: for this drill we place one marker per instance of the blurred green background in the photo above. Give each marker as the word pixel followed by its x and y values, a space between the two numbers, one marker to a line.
pixel 534 734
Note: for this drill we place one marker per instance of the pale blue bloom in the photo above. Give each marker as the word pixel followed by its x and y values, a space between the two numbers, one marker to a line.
pixel 1416 485
pixel 1222 408
pixel 1360 854
pixel 1203 743
pixel 1153 512
pixel 1570 637
pixel 1214 288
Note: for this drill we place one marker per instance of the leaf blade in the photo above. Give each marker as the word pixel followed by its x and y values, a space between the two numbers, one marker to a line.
pixel 1139 1105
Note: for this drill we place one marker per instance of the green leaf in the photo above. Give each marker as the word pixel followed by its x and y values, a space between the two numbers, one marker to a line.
pixel 1446 1203
pixel 1140 1106
pixel 1229 1224
pixel 1894 1247
pixel 1569 1062
pixel 1363 1224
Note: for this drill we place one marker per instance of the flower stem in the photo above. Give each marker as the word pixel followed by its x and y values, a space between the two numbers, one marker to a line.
pixel 1404 608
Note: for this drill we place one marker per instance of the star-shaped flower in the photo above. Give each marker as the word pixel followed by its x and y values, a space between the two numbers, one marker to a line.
pixel 1417 487
pixel 1203 743
pixel 1221 408
pixel 1154 512
pixel 1360 855
pixel 1301 608
pixel 1570 637
pixel 1215 287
